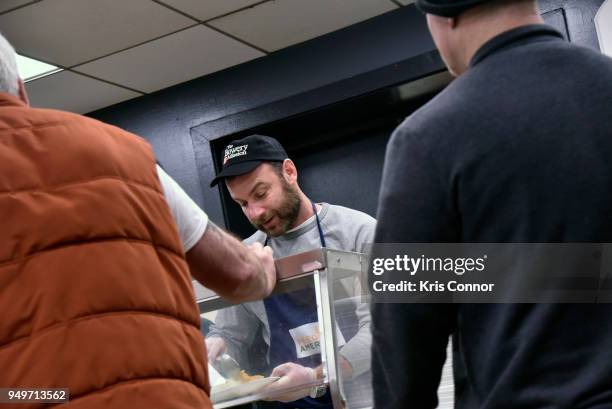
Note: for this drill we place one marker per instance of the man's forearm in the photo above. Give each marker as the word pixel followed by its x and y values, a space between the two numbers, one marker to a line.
pixel 222 263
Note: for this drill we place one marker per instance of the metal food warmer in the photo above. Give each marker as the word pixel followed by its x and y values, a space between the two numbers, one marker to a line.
pixel 335 276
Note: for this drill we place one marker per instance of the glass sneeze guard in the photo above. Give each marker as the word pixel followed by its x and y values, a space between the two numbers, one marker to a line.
pixel 308 281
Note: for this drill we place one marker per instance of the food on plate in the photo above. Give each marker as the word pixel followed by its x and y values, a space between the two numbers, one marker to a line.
pixel 242 378
pixel 245 377
pixel 240 386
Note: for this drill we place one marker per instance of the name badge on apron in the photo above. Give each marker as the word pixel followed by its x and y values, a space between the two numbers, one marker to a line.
pixel 307 339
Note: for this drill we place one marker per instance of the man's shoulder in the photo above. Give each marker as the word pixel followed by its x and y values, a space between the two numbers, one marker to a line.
pixel 258 236
pixel 352 228
pixel 91 132
pixel 352 215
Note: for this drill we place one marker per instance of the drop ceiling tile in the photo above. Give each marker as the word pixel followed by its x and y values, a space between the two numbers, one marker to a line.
pixel 9 4
pixel 86 29
pixel 73 92
pixel 171 60
pixel 277 24
pixel 207 9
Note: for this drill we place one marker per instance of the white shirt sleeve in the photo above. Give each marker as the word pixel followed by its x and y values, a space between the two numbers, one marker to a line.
pixel 190 219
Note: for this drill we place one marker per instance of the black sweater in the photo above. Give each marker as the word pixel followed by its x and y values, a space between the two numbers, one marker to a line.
pixel 517 149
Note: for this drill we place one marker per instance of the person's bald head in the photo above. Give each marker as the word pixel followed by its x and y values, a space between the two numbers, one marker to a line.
pixel 9 77
pixel 460 27
pixel 10 82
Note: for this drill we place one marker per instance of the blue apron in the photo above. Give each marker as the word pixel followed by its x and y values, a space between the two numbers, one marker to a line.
pixel 288 311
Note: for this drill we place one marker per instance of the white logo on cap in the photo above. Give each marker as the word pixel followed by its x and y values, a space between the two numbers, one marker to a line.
pixel 231 152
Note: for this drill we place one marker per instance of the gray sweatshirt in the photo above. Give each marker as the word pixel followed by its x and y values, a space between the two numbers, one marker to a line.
pixel 344 229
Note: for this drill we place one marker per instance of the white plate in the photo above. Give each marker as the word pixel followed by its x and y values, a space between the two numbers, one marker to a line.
pixel 230 390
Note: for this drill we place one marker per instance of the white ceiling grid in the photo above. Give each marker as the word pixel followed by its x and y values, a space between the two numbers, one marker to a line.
pixel 11 4
pixel 70 32
pixel 207 10
pixel 69 91
pixel 278 24
pixel 176 58
pixel 114 50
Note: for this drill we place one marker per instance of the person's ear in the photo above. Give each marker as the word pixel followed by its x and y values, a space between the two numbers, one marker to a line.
pixel 23 95
pixel 289 171
pixel 452 22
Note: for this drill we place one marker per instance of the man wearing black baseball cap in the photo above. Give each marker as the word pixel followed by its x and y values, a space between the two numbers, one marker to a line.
pixel 515 150
pixel 264 182
pixel 244 155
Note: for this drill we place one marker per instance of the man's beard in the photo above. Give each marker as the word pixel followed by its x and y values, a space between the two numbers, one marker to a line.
pixel 286 213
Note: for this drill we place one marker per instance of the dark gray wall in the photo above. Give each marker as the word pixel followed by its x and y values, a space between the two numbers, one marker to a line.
pixel 164 118
pixel 380 52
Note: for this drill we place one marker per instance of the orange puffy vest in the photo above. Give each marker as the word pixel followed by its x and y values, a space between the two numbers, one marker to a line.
pixel 95 294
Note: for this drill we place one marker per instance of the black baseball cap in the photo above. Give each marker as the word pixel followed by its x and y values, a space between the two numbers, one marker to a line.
pixel 243 155
pixel 447 8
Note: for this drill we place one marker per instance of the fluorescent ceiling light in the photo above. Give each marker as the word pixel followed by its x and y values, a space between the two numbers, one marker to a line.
pixel 30 69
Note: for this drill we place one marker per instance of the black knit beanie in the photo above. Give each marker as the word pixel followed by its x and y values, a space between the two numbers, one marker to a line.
pixel 446 8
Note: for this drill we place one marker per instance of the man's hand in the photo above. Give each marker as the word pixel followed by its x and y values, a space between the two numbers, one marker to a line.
pixel 265 257
pixel 236 272
pixel 215 346
pixel 291 375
